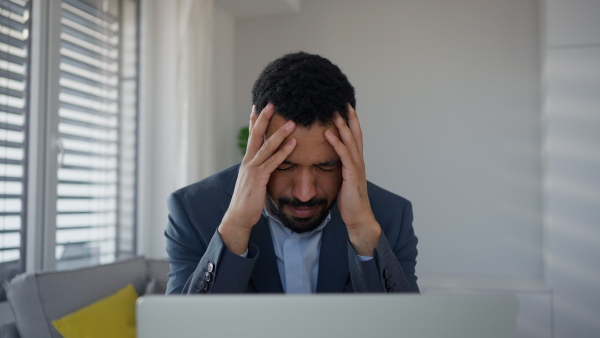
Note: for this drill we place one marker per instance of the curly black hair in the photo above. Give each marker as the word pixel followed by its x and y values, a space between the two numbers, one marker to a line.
pixel 305 88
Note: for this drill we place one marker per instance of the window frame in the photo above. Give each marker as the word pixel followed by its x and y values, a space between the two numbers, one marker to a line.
pixel 42 194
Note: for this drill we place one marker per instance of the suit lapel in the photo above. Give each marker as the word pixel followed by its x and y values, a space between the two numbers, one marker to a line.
pixel 265 276
pixel 333 259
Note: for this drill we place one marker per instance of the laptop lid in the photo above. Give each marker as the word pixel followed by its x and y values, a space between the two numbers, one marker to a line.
pixel 357 315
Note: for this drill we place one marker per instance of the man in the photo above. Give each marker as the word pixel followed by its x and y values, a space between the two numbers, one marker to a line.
pixel 298 214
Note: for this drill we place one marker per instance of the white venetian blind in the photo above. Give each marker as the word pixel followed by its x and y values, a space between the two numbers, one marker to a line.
pixel 14 71
pixel 97 133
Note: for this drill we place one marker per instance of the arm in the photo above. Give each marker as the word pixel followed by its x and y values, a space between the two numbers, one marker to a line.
pixel 200 265
pixel 385 271
pixel 395 262
pixel 191 258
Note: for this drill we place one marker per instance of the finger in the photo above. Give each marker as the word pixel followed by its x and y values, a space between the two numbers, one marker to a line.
pixel 346 136
pixel 271 145
pixel 354 125
pixel 253 117
pixel 256 138
pixel 340 148
pixel 276 159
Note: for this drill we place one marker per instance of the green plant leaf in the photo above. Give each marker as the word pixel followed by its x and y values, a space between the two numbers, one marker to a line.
pixel 243 138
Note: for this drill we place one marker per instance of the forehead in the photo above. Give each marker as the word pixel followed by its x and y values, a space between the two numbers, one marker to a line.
pixel 311 147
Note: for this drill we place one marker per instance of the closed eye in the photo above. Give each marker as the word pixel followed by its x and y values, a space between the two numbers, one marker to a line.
pixel 285 168
pixel 326 168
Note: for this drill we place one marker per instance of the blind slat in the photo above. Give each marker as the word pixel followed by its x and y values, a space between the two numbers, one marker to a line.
pixel 80 108
pixel 12 92
pixel 10 144
pixel 88 38
pixel 7 74
pixel 87 23
pixel 12 24
pixel 12 41
pixel 10 126
pixel 88 52
pixel 85 182
pixel 84 80
pixel 11 109
pixel 91 10
pixel 80 64
pixel 12 7
pixel 12 58
pixel 86 95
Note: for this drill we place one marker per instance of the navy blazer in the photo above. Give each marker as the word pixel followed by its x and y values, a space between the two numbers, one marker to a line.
pixel 201 263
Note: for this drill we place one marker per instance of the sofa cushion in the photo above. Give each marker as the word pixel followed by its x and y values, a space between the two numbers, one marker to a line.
pixel 39 298
pixel 158 270
pixel 113 316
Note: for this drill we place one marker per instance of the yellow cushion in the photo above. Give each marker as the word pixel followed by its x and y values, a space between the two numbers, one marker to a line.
pixel 113 316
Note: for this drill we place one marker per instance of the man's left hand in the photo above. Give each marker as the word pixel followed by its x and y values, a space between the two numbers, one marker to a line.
pixel 353 198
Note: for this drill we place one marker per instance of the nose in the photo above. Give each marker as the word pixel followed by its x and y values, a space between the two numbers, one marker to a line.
pixel 304 184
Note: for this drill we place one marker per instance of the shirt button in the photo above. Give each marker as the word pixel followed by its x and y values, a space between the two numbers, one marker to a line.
pixel 203 285
pixel 207 276
pixel 211 267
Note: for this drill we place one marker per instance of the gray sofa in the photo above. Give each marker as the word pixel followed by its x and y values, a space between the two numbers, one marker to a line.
pixel 39 298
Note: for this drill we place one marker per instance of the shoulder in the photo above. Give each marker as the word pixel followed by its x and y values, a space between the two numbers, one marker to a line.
pixel 199 207
pixel 379 196
pixel 389 209
pixel 211 188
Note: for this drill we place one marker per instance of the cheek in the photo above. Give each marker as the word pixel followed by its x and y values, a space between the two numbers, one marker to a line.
pixel 278 184
pixel 329 184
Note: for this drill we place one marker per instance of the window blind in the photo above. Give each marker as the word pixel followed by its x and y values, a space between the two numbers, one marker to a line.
pixel 97 135
pixel 14 77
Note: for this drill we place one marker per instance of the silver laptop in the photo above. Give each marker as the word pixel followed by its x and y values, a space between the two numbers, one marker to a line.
pixel 307 316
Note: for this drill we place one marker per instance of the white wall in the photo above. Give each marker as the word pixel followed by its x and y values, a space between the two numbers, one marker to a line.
pixel 225 132
pixel 571 117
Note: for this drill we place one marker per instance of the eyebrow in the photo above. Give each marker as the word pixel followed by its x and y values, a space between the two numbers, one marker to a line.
pixel 328 163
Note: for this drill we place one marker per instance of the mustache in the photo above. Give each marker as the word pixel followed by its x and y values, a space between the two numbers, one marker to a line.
pixel 296 203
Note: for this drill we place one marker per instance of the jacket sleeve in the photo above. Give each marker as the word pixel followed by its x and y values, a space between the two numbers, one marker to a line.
pixel 392 268
pixel 202 264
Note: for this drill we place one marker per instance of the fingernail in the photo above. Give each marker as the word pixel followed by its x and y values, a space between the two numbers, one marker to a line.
pixel 289 124
pixel 254 108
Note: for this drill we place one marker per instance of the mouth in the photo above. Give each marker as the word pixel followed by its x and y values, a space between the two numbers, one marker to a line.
pixel 302 212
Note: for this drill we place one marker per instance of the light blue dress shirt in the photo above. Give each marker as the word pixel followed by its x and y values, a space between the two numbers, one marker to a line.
pixel 297 255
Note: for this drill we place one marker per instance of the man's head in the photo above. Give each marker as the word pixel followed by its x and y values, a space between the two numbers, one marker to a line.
pixel 304 88
pixel 309 90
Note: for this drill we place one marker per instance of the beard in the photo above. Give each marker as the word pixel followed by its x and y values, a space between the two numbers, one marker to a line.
pixel 298 224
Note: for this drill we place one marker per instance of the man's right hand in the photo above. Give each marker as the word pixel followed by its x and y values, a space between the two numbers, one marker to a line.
pixel 261 159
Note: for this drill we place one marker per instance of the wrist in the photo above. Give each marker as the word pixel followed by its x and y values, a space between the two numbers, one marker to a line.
pixel 235 238
pixel 365 238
